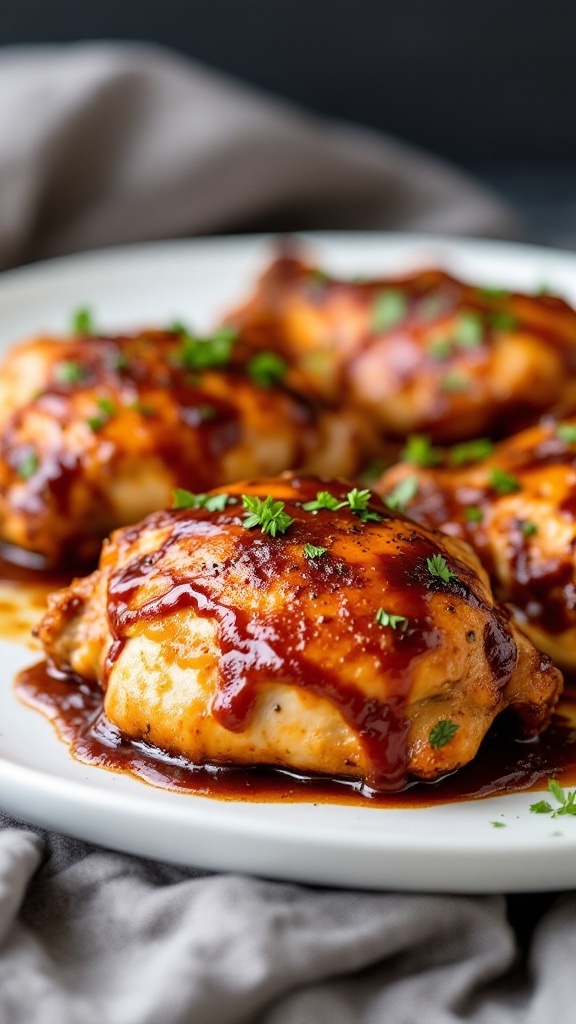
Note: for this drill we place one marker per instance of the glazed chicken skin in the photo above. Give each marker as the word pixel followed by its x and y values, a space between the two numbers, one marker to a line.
pixel 297 622
pixel 517 508
pixel 422 353
pixel 95 432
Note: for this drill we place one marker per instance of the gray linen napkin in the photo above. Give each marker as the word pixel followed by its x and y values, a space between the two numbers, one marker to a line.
pixel 102 144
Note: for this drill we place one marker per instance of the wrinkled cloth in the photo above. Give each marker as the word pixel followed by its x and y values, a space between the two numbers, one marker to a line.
pixel 102 144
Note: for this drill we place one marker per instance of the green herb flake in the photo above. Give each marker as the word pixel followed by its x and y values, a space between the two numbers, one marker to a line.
pixel 493 293
pixel 211 502
pixel 503 321
pixel 452 383
pixel 440 348
pixel 120 361
pixel 400 497
pixel 68 372
pixel 143 408
pixel 431 307
pixel 82 322
pixel 419 451
pixel 269 515
pixel 358 502
pixel 471 451
pixel 437 566
pixel 498 824
pixel 566 432
pixel 28 466
pixel 468 330
pixel 502 482
pixel 384 618
pixel 566 801
pixel 444 731
pixel 528 529
pixel 473 514
pixel 322 500
pixel 267 369
pixel 210 353
pixel 311 551
pixel 389 309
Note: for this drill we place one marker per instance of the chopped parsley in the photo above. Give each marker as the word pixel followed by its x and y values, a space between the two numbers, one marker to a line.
pixel 502 482
pixel 211 502
pixel 566 801
pixel 503 321
pixel 402 494
pixel 205 353
pixel 267 369
pixel 493 293
pixel 498 824
pixel 528 529
pixel 269 515
pixel 419 451
pixel 384 618
pixel 437 566
pixel 311 551
pixel 324 499
pixel 444 731
pixel 452 383
pixel 28 466
pixel 468 330
pixel 473 514
pixel 82 322
pixel 440 348
pixel 389 309
pixel 470 451
pixel 144 408
pixel 107 410
pixel 68 372
pixel 358 502
pixel 566 432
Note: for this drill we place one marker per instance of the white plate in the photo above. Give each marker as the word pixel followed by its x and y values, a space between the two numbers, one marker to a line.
pixel 452 847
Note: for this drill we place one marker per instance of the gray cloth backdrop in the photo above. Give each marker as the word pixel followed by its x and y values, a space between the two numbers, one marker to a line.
pixel 103 144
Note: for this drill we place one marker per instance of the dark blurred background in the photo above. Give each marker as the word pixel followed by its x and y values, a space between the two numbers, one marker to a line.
pixel 490 84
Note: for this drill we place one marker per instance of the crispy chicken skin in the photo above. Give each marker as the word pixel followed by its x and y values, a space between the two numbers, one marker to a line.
pixel 95 432
pixel 215 640
pixel 423 353
pixel 517 508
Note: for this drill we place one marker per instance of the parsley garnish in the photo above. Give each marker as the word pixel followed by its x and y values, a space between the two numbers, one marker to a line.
pixel 437 566
pixel 528 529
pixel 83 322
pixel 389 309
pixel 28 466
pixel 566 432
pixel 503 321
pixel 324 499
pixel 470 451
pixel 68 372
pixel 454 382
pixel 383 618
pixel 493 293
pixel 107 410
pixel 267 369
pixel 144 408
pixel 358 502
pixel 419 451
pixel 498 824
pixel 468 330
pixel 402 494
pixel 440 348
pixel 211 502
pixel 311 551
pixel 442 733
pixel 269 515
pixel 566 800
pixel 473 514
pixel 205 353
pixel 502 482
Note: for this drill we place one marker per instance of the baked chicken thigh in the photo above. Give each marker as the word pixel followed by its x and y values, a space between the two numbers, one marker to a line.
pixel 516 506
pixel 422 353
pixel 95 432
pixel 298 622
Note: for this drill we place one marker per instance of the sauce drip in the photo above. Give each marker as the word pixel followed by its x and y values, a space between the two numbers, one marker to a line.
pixel 501 767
